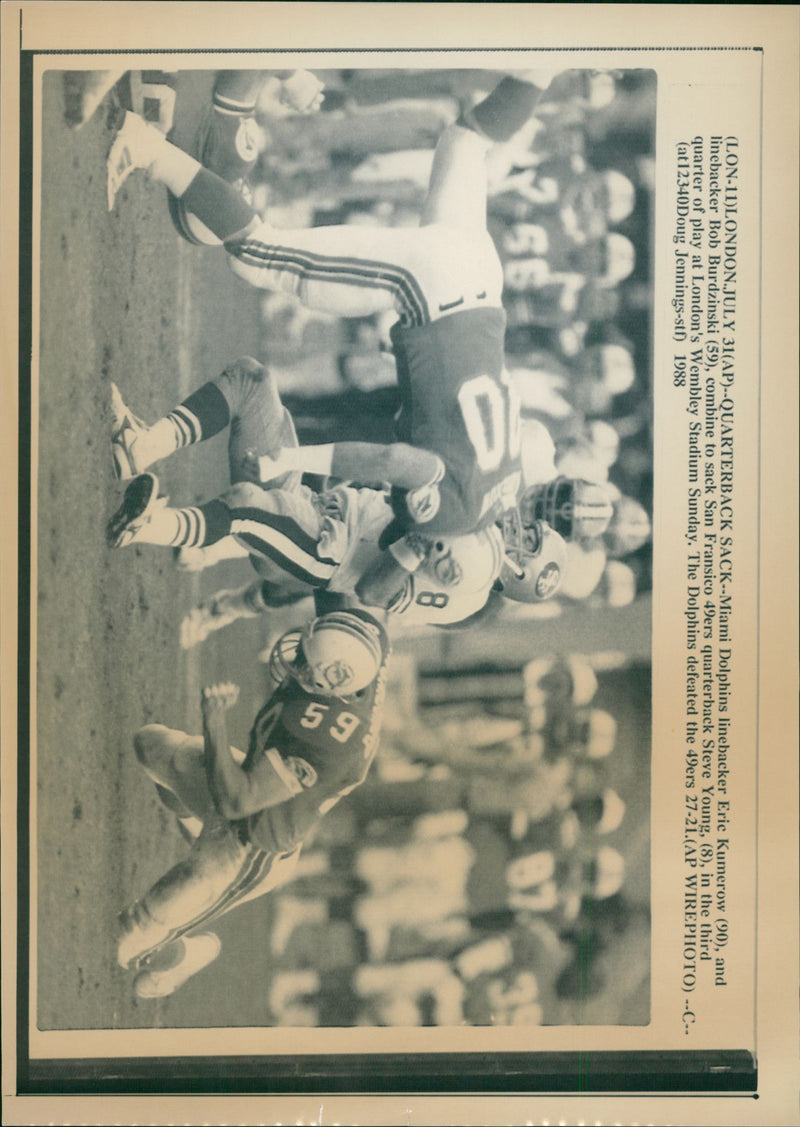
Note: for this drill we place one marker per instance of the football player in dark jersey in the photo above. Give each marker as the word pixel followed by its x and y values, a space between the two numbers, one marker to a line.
pixel 310 744
pixel 300 540
pixel 458 466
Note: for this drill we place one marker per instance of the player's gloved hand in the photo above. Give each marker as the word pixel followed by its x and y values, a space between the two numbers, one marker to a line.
pixel 302 92
pixel 423 502
pixel 219 698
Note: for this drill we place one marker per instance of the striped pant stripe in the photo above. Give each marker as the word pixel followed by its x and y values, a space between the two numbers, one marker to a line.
pixel 281 553
pixel 256 866
pixel 349 271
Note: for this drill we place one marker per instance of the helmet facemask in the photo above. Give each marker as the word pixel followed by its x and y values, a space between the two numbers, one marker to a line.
pixel 534 559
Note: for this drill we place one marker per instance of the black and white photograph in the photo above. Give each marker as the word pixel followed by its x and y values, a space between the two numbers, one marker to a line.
pixel 384 564
pixel 351 371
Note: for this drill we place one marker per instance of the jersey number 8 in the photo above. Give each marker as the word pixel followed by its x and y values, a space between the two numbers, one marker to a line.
pixel 491 418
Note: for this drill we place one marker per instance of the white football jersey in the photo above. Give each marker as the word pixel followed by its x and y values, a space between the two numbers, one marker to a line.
pixel 455 574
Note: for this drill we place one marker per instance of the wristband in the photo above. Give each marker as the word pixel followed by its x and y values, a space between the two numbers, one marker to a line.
pixel 310 459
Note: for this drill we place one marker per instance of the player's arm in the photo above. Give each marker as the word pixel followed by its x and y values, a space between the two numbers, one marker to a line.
pixel 387 575
pixel 407 467
pixel 237 793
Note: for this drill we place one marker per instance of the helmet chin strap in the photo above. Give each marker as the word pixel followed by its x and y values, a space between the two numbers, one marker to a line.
pixel 518 571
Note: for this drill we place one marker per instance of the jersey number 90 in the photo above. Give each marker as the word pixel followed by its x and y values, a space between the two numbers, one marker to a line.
pixel 491 414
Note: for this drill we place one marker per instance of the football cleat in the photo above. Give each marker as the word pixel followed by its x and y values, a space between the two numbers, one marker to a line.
pixel 126 432
pixel 132 148
pixel 199 951
pixel 139 933
pixel 141 498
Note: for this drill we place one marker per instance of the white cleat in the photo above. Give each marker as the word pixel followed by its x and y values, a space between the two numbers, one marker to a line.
pixel 139 934
pixel 126 434
pixel 199 951
pixel 132 148
pixel 140 501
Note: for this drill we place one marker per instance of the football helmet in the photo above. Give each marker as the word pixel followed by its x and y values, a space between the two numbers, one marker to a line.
pixel 608 872
pixel 336 655
pixel 471 562
pixel 596 731
pixel 534 559
pixel 574 508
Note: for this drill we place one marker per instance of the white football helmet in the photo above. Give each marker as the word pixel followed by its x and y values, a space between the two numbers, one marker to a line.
pixel 534 560
pixel 620 195
pixel 609 872
pixel 573 508
pixel 337 655
pixel 596 730
pixel 470 562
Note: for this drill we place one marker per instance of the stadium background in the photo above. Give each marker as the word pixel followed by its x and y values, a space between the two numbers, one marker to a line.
pixel 123 298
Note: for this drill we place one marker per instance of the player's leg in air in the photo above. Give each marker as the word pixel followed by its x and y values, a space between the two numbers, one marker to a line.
pixel 221 872
pixel 345 270
pixel 174 762
pixel 245 400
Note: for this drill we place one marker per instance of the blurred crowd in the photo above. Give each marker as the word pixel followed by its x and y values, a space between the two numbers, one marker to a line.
pixel 478 875
pixel 475 877
pixel 570 210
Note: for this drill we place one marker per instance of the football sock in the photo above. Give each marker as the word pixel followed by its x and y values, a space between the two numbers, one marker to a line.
pixel 202 415
pixel 190 527
pixel 505 110
pixel 221 207
pixel 170 165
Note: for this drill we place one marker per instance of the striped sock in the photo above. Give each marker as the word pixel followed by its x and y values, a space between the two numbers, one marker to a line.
pixel 219 205
pixel 191 527
pixel 201 415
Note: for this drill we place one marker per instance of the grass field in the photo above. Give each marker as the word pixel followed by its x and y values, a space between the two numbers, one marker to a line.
pixel 122 299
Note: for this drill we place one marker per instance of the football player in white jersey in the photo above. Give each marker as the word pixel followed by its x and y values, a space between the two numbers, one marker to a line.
pixel 300 541
pixel 457 465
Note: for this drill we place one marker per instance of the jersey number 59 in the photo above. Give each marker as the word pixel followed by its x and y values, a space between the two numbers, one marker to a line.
pixel 342 728
pixel 491 413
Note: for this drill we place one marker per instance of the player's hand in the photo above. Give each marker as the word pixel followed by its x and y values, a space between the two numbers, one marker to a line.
pixel 260 467
pixel 302 92
pixel 219 698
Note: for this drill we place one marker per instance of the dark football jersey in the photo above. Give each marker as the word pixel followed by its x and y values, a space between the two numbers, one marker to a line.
pixel 459 402
pixel 326 744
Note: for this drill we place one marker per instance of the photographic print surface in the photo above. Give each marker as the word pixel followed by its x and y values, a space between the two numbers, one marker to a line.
pixel 493 866
pixel 398 447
